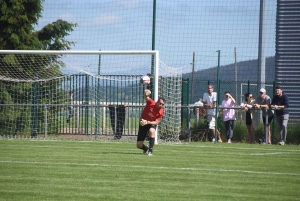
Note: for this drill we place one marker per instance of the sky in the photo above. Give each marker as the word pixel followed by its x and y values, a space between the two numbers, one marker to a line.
pixel 182 27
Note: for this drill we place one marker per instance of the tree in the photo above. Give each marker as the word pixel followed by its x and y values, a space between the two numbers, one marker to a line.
pixel 17 20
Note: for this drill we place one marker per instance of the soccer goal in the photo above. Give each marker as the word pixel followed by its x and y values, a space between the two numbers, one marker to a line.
pixel 85 92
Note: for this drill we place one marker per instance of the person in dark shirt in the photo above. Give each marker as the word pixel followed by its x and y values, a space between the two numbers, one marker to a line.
pixel 280 103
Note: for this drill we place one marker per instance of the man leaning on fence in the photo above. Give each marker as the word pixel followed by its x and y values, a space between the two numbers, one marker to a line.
pixel 280 103
pixel 264 103
pixel 210 101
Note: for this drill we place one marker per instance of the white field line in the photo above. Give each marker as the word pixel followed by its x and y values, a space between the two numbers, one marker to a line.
pixel 272 153
pixel 198 152
pixel 234 153
pixel 154 167
pixel 240 148
pixel 173 151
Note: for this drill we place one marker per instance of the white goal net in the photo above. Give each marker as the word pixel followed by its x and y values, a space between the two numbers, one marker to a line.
pixel 85 92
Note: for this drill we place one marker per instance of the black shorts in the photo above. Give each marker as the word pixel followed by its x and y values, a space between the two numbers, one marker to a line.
pixel 269 119
pixel 143 131
pixel 248 119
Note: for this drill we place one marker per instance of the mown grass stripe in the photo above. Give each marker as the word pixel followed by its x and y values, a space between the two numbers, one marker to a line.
pixel 152 167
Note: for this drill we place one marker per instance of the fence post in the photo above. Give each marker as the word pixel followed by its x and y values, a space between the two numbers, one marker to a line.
pixel 218 97
pixel 34 109
pixel 86 129
pixel 103 120
pixel 46 121
pixel 266 127
pixel 248 90
pixel 189 124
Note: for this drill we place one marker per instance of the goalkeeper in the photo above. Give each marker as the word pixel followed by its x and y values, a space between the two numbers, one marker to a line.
pixel 150 118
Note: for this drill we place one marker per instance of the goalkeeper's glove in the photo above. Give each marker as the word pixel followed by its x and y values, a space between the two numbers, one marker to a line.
pixel 143 122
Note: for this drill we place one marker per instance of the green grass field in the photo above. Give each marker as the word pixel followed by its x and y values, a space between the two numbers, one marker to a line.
pixel 95 170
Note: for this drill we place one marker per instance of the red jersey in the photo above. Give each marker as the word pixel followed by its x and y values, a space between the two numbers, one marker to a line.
pixel 150 112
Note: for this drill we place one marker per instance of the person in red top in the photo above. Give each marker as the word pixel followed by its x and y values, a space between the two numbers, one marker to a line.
pixel 150 118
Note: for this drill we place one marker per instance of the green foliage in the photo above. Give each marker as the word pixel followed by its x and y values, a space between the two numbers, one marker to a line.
pixel 196 129
pixel 239 131
pixel 17 28
pixel 293 133
pixel 56 32
pixel 16 22
pixel 259 132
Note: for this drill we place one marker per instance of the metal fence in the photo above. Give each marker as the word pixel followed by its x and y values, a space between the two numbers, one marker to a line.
pixel 74 105
pixel 239 88
pixel 78 118
pixel 119 121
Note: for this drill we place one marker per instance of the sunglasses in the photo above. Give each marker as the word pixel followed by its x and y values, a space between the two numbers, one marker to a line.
pixel 250 97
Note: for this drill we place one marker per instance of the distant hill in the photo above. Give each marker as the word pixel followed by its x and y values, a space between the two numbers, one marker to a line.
pixel 246 70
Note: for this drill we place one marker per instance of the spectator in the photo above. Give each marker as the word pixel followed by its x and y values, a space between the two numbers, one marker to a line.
pixel 280 103
pixel 228 115
pixel 201 111
pixel 209 101
pixel 251 119
pixel 264 102
pixel 117 119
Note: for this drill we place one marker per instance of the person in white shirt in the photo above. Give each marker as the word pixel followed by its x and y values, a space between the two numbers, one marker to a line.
pixel 210 101
pixel 200 111
pixel 199 102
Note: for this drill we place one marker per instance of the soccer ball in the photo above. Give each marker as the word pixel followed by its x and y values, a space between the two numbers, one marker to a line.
pixel 145 80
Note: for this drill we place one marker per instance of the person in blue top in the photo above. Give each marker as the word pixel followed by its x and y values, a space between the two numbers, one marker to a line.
pixel 280 103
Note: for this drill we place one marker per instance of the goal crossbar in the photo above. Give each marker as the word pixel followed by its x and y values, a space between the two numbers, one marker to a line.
pixel 154 52
pixel 96 52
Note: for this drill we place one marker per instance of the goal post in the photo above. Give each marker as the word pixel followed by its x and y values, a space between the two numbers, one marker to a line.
pixel 96 79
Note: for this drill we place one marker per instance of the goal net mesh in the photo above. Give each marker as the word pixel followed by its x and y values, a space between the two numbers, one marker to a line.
pixel 84 94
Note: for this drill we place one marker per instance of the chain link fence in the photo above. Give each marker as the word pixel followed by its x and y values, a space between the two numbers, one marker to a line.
pixel 122 121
